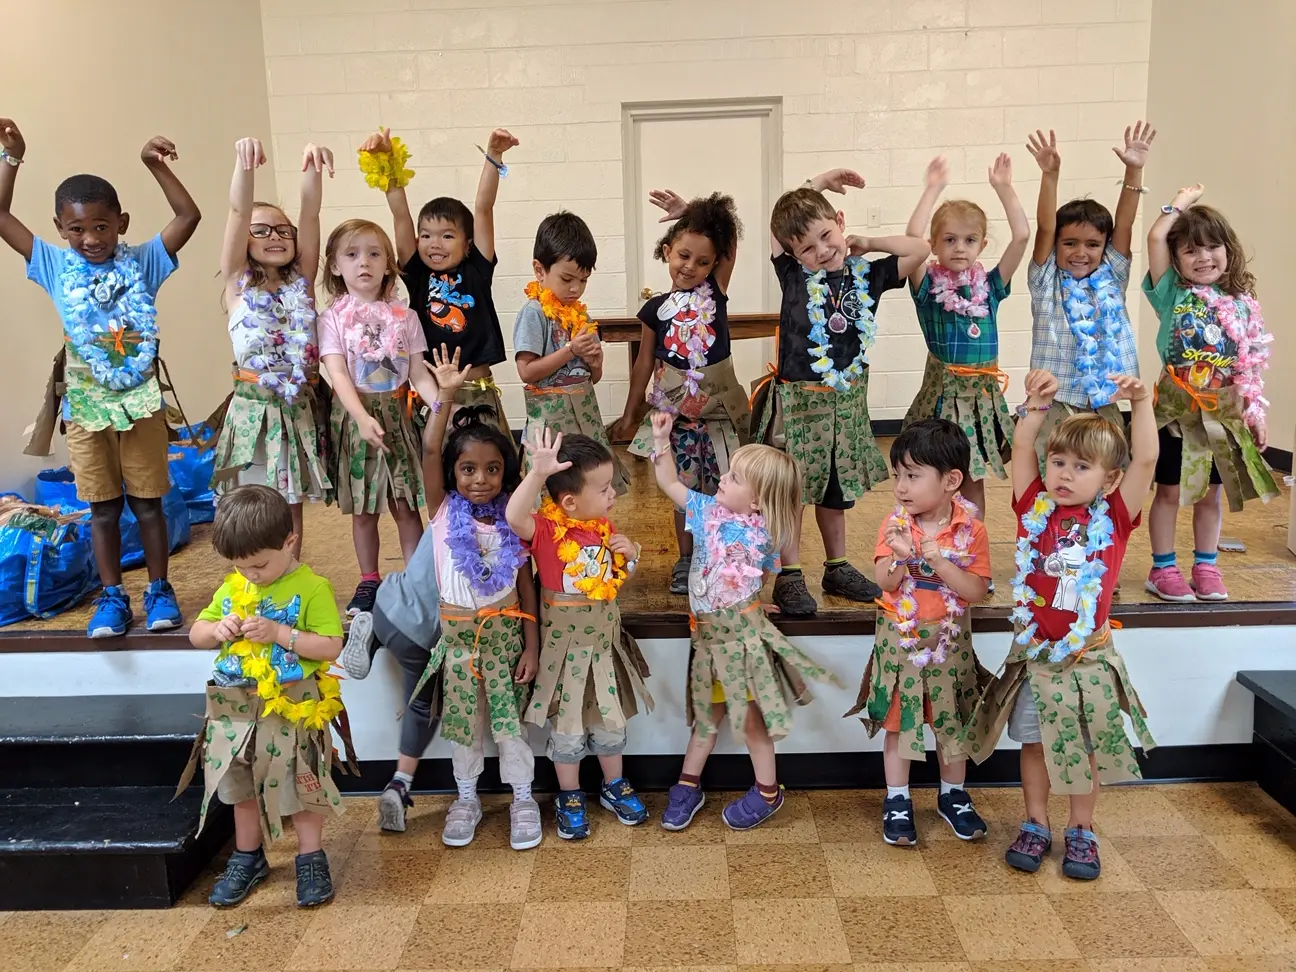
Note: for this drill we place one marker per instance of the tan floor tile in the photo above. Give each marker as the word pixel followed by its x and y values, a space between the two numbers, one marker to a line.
pixel 1179 863
pixel 1265 860
pixel 361 937
pixel 371 878
pixel 875 932
pixel 1138 811
pixel 554 934
pixel 1283 901
pixel 1229 922
pixel 1033 965
pixel 139 941
pixel 1179 964
pixel 991 927
pixel 1121 926
pixel 679 968
pixel 442 938
pixel 680 932
pixel 268 938
pixel 1117 875
pixel 793 824
pixel 847 816
pixel 795 968
pixel 973 868
pixel 789 931
pixel 876 870
pixel 45 941
pixel 691 873
pixel 914 967
pixel 706 828
pixel 471 874
pixel 1250 963
pixel 587 874
pixel 778 871
pixel 1228 808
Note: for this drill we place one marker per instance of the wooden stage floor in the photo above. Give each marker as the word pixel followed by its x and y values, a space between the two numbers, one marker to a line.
pixel 1265 573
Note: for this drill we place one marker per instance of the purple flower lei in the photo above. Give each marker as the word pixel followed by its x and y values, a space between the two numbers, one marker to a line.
pixel 486 577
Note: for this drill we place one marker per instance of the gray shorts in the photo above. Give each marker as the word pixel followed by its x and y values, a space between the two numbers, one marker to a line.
pixel 598 741
pixel 1024 724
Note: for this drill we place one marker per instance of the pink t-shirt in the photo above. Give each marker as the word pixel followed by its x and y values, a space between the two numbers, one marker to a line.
pixel 376 339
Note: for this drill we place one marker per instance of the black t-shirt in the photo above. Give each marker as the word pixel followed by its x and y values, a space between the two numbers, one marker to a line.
pixel 455 307
pixel 673 317
pixel 794 318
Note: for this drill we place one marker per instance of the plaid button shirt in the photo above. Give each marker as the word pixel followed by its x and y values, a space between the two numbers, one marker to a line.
pixel 1053 345
pixel 946 332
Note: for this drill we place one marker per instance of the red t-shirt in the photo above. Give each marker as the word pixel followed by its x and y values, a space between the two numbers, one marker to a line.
pixel 1065 534
pixel 594 558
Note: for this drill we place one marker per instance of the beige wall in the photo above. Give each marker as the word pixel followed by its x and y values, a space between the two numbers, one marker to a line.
pixel 1232 127
pixel 89 83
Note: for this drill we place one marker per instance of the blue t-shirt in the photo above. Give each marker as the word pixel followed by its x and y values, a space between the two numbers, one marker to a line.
pixel 746 548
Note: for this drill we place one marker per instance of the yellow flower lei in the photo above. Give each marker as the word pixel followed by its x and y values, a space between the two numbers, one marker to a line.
pixel 595 588
pixel 313 714
pixel 382 170
pixel 573 318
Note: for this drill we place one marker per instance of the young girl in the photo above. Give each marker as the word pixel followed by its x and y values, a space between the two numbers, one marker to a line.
pixel 490 643
pixel 373 347
pixel 1210 406
pixel 685 349
pixel 738 660
pixel 958 303
pixel 275 430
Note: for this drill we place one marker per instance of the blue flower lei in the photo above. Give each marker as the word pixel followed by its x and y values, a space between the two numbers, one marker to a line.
pixel 488 576
pixel 1095 310
pixel 129 334
pixel 286 321
pixel 820 342
pixel 1099 532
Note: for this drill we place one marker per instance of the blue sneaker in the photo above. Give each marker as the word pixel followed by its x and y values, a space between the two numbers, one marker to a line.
pixel 161 609
pixel 620 797
pixel 573 821
pixel 112 614
pixel 750 810
pixel 682 805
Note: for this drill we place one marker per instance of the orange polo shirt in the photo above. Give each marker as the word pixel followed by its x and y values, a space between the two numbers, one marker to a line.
pixel 930 605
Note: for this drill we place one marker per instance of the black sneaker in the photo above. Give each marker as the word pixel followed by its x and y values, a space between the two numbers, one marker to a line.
pixel 245 870
pixel 363 600
pixel 955 808
pixel 846 581
pixel 898 822
pixel 357 654
pixel 314 883
pixel 792 596
pixel 392 804
pixel 680 575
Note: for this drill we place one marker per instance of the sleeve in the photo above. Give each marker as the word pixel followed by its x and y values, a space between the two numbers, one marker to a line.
pixel 1120 265
pixel 980 551
pixel 1122 525
pixel 415 339
pixel 319 611
pixel 529 329
pixel 786 268
pixel 330 335
pixel 478 261
pixel 542 545
pixel 884 275
pixel 45 265
pixel 648 313
pixel 415 271
pixel 695 508
pixel 1023 504
pixel 216 609
pixel 883 549
pixel 155 263
pixel 1041 277
pixel 1162 296
pixel 999 287
pixel 923 293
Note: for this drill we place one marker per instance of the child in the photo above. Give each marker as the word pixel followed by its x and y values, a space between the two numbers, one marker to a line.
pixel 1064 686
pixel 265 746
pixel 103 290
pixel 738 660
pixel 590 667
pixel 1078 275
pixel 816 406
pixel 933 560
pixel 448 266
pixel 556 345
pixel 958 304
pixel 270 434
pixel 489 646
pixel 685 349
pixel 373 348
pixel 1210 405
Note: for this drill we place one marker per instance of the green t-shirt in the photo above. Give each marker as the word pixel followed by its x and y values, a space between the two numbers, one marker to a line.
pixel 1189 338
pixel 301 599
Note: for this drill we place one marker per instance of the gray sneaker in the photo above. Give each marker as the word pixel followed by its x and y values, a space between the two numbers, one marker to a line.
pixel 357 653
pixel 524 824
pixel 461 823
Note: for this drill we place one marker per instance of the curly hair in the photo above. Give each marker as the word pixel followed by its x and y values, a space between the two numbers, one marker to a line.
pixel 1206 226
pixel 715 217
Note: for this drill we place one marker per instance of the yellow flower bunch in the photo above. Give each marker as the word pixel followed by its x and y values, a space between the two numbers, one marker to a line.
pixel 573 318
pixel 595 588
pixel 383 170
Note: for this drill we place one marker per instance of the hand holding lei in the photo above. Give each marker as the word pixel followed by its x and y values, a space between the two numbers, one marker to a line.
pixel 946 286
pixel 1251 341
pixel 488 576
pixel 821 360
pixel 117 292
pixel 906 603
pixel 595 588
pixel 572 319
pixel 1095 311
pixel 386 170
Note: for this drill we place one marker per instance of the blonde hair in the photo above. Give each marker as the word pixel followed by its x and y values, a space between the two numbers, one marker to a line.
pixel 775 479
pixel 795 211
pixel 1092 438
pixel 337 241
pixel 959 209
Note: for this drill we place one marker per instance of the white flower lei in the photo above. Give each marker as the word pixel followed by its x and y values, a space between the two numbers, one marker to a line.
pixel 820 347
pixel 118 293
pixel 702 301
pixel 286 321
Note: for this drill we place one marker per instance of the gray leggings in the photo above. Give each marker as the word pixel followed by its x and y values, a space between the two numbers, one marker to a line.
pixel 418 724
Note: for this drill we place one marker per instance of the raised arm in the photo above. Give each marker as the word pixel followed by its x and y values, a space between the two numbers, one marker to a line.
pixel 1160 259
pixel 248 155
pixel 449 378
pixel 664 460
pixel 1044 150
pixel 834 180
pixel 912 252
pixel 1041 387
pixel 402 222
pixel 157 152
pixel 1144 446
pixel 315 160
pixel 1137 143
pixel 543 450
pixel 12 230
pixel 937 180
pixel 1001 179
pixel 500 141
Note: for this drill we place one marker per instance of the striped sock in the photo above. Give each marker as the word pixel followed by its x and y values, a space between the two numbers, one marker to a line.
pixel 835 562
pixel 1200 557
pixel 1163 560
pixel 769 792
pixel 687 780
pixel 790 569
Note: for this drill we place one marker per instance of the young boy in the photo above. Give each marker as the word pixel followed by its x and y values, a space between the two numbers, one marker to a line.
pixel 266 747
pixel 556 345
pixel 816 406
pixel 933 560
pixel 112 411
pixel 590 668
pixel 1064 687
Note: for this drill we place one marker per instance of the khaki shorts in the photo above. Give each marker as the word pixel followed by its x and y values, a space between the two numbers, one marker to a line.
pixel 102 461
pixel 239 786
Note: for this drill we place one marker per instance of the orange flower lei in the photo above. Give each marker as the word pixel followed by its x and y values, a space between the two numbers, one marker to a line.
pixel 573 318
pixel 595 588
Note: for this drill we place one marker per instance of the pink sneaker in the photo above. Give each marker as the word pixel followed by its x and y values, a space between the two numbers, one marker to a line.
pixel 1208 583
pixel 1169 585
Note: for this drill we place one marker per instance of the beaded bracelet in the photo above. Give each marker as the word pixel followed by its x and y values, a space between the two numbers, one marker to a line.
pixel 1023 409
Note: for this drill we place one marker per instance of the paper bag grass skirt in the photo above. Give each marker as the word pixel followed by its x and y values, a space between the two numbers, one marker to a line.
pixel 366 477
pixel 972 398
pixel 484 391
pixel 571 409
pixel 291 440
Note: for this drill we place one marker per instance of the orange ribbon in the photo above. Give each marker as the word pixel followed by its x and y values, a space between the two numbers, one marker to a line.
pixel 966 371
pixel 411 397
pixel 1204 399
pixel 481 617
pixel 119 334
pixel 571 389
pixel 770 374
pixel 248 377
pixel 694 622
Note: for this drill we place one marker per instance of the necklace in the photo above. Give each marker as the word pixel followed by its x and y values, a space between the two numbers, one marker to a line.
pixel 906 604
pixel 1095 311
pixel 702 306
pixel 595 588
pixel 119 352
pixel 1252 344
pixel 283 322
pixel 947 290
pixel 492 574
pixel 821 360
pixel 572 318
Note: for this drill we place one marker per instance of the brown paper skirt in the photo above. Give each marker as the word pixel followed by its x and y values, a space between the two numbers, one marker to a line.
pixel 366 477
pixel 973 402
pixel 571 409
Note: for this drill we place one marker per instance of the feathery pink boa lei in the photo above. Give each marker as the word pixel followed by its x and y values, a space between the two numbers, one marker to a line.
pixel 733 554
pixel 1248 334
pixel 351 313
pixel 946 284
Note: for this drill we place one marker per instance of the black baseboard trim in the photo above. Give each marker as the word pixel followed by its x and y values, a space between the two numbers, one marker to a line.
pixel 1280 459
pixel 1213 763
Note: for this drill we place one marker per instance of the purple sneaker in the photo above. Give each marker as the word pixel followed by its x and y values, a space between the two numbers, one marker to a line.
pixel 1081 860
pixel 750 810
pixel 682 806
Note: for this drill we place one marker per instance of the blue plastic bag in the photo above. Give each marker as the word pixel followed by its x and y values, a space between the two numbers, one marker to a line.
pixel 45 566
pixel 191 468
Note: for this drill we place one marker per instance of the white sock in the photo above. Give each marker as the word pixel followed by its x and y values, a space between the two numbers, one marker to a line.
pixel 406 778
pixel 521 791
pixel 898 791
pixel 947 787
pixel 467 788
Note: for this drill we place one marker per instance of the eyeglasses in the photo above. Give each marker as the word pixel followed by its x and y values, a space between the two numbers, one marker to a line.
pixel 262 231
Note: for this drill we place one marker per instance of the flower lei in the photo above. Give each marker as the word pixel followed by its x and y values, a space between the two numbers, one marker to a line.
pixel 1251 340
pixel 946 290
pixel 118 293
pixel 1095 311
pixel 734 551
pixel 702 302
pixel 1099 532
pixel 385 170
pixel 572 318
pixel 820 325
pixel 245 602
pixel 595 588
pixel 285 322
pixel 488 576
pixel 350 313
pixel 906 603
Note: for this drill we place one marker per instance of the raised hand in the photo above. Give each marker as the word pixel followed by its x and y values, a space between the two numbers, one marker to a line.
pixel 1001 171
pixel 858 245
pixel 900 540
pixel 937 173
pixel 317 157
pixel 1138 140
pixel 1044 151
pixel 662 422
pixel 543 450
pixel 1188 195
pixel 379 141
pixel 371 431
pixel 839 180
pixel 11 140
pixel 1130 388
pixel 249 152
pixel 445 369
pixel 671 201
pixel 1041 387
pixel 159 148
pixel 500 141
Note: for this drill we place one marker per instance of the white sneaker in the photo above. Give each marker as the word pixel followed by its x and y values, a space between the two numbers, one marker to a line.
pixel 524 824
pixel 356 657
pixel 461 823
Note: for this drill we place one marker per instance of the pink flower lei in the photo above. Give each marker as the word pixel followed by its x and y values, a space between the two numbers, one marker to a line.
pixel 1251 340
pixel 946 284
pixel 702 301
pixel 389 314
pixel 906 608
pixel 734 554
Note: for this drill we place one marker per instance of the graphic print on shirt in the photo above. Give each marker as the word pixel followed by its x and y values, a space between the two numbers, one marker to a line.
pixel 287 666
pixel 681 308
pixel 844 303
pixel 1199 348
pixel 593 561
pixel 445 303
pixel 1065 562
pixel 375 349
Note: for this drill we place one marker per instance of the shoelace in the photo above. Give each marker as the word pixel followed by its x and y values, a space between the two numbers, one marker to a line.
pixel 313 871
pixel 1081 849
pixel 897 814
pixel 112 597
pixel 239 871
pixel 1028 843
pixel 962 808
